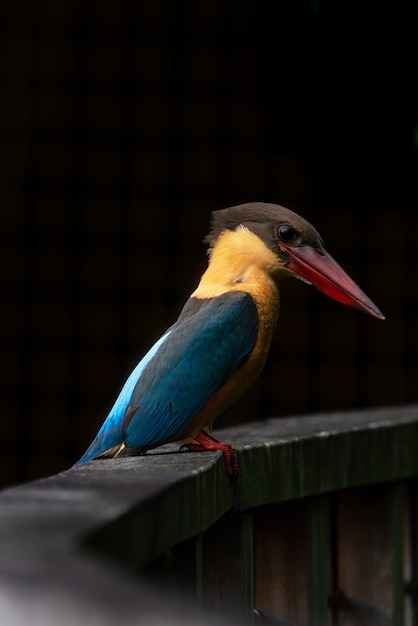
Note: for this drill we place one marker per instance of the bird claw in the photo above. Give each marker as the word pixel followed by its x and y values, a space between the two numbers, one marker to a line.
pixel 207 442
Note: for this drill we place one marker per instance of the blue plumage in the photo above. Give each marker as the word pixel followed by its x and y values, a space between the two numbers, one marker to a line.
pixel 110 434
pixel 180 373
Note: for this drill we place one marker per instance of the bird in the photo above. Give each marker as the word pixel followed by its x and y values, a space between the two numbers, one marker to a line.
pixel 219 344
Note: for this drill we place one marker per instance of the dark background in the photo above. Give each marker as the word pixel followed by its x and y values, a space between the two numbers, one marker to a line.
pixel 124 124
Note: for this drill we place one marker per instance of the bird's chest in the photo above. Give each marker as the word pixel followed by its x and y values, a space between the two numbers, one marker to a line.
pixel 267 302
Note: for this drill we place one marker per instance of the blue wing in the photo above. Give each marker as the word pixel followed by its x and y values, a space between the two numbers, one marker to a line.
pixel 180 373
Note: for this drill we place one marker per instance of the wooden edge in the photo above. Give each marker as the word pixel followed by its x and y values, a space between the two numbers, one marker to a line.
pixel 134 509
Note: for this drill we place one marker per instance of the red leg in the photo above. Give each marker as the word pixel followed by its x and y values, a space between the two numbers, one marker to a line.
pixel 207 442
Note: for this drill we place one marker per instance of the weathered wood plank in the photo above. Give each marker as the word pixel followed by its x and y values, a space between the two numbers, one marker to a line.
pixel 281 562
pixel 319 560
pixel 399 510
pixel 279 460
pixel 228 564
pixel 45 577
pixel 135 510
pixel 309 455
pixel 177 495
pixel 411 559
pixel 368 556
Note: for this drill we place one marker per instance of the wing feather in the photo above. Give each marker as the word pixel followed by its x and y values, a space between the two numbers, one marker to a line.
pixel 174 381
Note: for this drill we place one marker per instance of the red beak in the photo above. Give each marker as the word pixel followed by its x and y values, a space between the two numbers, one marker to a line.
pixel 319 268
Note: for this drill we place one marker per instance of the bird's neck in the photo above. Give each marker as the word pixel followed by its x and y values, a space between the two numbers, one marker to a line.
pixel 240 261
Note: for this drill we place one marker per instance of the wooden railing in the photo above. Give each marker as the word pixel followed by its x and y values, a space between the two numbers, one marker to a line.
pixel 320 529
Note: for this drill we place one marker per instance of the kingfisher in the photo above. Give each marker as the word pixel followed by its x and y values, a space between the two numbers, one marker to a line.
pixel 219 344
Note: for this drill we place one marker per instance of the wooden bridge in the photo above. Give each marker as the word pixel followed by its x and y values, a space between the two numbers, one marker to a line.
pixel 320 529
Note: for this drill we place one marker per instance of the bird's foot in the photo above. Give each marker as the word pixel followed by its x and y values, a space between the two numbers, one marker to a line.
pixel 207 442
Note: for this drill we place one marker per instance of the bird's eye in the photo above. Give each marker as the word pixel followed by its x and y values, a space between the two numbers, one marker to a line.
pixel 286 233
